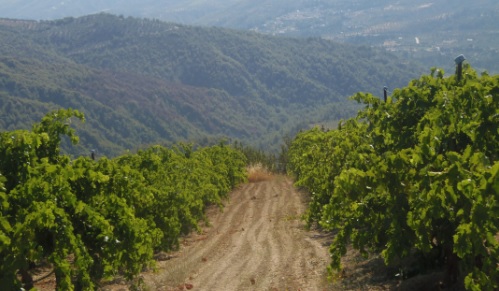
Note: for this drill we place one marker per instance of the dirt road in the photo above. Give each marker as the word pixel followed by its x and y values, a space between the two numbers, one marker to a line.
pixel 257 242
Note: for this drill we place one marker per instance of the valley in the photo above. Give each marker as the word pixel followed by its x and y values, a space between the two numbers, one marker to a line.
pixel 446 28
pixel 142 81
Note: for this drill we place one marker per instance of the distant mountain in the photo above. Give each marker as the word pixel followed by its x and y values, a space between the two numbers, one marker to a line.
pixel 145 81
pixel 443 28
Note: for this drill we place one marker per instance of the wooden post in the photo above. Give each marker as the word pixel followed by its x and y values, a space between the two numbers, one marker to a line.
pixel 459 67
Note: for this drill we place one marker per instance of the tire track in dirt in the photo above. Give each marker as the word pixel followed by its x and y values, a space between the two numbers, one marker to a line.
pixel 258 242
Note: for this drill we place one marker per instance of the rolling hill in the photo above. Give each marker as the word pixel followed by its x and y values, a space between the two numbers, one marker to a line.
pixel 145 81
pixel 443 29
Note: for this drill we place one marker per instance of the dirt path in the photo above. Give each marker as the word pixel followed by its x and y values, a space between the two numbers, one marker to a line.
pixel 258 242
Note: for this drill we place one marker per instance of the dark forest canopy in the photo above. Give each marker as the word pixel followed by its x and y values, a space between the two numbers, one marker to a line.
pixel 143 81
pixel 429 32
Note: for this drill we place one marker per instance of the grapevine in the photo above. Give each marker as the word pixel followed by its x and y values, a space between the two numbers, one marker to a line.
pixel 417 173
pixel 93 220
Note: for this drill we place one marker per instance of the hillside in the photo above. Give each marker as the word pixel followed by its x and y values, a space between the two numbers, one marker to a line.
pixel 145 81
pixel 432 33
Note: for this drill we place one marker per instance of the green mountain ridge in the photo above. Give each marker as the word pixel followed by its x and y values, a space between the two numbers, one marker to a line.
pixel 144 81
pixel 444 29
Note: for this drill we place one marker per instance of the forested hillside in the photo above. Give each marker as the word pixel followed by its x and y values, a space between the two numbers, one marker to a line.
pixel 145 81
pixel 431 32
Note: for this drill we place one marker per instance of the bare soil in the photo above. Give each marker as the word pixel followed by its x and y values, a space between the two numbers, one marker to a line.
pixel 259 242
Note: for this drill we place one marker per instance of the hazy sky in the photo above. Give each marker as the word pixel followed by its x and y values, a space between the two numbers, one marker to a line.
pixel 53 9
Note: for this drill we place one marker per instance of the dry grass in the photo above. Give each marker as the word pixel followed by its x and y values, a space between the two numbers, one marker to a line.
pixel 258 173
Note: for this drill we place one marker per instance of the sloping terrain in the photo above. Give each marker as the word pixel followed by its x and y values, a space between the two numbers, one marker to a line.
pixel 258 242
pixel 144 81
pixel 444 29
